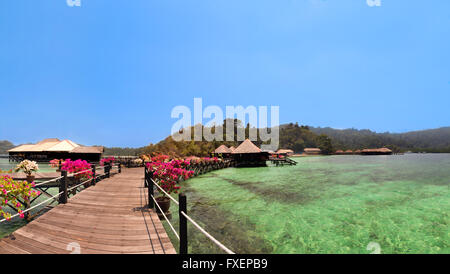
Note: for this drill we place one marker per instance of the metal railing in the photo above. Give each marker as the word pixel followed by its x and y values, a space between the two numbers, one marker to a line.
pixel 182 235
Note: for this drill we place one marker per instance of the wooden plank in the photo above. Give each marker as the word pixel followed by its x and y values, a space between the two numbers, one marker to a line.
pixel 110 217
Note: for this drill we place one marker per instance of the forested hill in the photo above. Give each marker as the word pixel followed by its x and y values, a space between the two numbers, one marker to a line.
pixel 292 136
pixel 5 146
pixel 431 140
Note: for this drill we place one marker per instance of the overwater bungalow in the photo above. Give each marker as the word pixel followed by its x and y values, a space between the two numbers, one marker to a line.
pixel 376 151
pixel 248 154
pixel 285 152
pixel 312 151
pixel 53 148
pixel 348 152
pixel 223 151
pixel 339 152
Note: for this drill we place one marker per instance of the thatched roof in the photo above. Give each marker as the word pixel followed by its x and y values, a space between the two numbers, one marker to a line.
pixel 55 145
pixel 232 148
pixel 62 146
pixel 223 149
pixel 285 151
pixel 83 149
pixel 48 140
pixel 383 150
pixel 312 149
pixel 247 147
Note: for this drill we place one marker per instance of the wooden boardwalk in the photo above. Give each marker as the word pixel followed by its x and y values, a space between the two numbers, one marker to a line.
pixel 110 217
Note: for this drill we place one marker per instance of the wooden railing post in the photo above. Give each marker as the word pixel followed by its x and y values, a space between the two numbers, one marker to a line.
pixel 183 224
pixel 106 169
pixel 94 176
pixel 63 187
pixel 145 177
pixel 151 203
pixel 120 168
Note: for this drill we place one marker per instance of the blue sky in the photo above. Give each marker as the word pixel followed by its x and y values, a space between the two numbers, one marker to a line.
pixel 110 71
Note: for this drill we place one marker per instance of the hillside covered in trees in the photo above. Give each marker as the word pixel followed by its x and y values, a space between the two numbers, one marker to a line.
pixel 432 140
pixel 5 146
pixel 292 136
pixel 297 137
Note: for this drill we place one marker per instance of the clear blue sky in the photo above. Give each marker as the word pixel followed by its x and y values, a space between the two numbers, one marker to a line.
pixel 110 72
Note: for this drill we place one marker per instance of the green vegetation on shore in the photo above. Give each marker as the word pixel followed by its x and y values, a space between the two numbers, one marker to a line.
pixel 431 140
pixel 5 146
pixel 297 137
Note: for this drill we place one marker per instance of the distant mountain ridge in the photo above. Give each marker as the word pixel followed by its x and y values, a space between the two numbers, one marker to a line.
pixel 297 137
pixel 430 140
pixel 5 146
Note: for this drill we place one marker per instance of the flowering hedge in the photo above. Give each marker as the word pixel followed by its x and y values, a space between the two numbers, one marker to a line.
pixel 5 171
pixel 55 162
pixel 168 174
pixel 11 191
pixel 78 166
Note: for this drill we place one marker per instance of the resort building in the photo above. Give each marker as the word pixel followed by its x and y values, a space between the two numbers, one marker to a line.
pixel 285 152
pixel 50 149
pixel 248 154
pixel 312 151
pixel 376 151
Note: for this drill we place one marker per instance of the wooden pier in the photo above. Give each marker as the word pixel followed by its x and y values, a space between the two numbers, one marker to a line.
pixel 282 161
pixel 110 217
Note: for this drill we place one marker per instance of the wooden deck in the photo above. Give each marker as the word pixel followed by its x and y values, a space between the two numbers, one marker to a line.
pixel 110 217
pixel 38 176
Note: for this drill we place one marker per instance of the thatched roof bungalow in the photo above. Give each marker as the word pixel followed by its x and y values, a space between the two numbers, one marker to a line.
pixel 312 151
pixel 376 151
pixel 222 151
pixel 53 148
pixel 248 154
pixel 286 152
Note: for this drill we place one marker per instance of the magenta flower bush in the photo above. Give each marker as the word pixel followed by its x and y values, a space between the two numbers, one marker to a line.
pixel 55 162
pixel 78 166
pixel 168 174
pixel 109 160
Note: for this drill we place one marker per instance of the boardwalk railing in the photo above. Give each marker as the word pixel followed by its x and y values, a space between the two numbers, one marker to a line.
pixel 182 236
pixel 62 183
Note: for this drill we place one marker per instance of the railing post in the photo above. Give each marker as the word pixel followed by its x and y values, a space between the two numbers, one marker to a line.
pixel 151 203
pixel 183 224
pixel 120 168
pixel 63 187
pixel 94 178
pixel 145 177
pixel 106 169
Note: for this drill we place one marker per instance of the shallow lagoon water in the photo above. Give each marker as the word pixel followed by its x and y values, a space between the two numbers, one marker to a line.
pixel 329 204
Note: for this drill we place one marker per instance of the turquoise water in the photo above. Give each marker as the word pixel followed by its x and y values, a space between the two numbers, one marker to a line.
pixel 329 204
pixel 6 165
